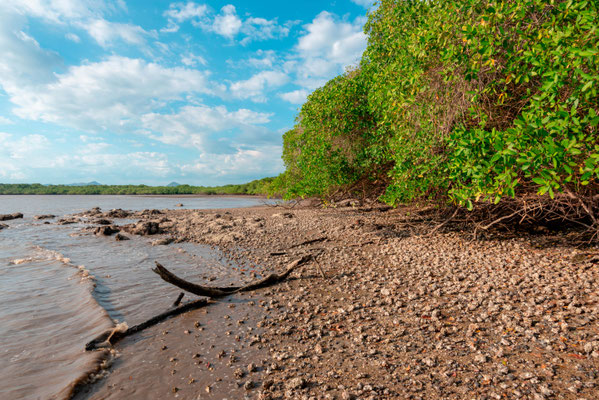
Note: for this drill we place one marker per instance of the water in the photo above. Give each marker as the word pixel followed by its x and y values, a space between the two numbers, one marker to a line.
pixel 60 288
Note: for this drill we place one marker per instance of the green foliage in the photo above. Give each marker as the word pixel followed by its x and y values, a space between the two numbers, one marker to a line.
pixel 331 145
pixel 535 123
pixel 257 187
pixel 458 101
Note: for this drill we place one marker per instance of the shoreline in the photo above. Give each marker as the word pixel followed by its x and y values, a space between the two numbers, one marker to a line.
pixel 403 315
pixel 149 195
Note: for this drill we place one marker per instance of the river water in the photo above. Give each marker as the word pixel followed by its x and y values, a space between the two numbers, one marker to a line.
pixel 60 288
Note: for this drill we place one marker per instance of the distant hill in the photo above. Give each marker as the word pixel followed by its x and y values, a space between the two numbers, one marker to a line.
pixel 92 183
pixel 173 184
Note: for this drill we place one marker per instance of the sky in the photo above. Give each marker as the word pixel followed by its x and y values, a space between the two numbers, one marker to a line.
pixel 150 92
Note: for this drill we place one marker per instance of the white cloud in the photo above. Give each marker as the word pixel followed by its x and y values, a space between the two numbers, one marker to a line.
pixel 22 147
pixel 364 3
pixel 264 59
pixel 180 12
pixel 191 60
pixel 20 154
pixel 23 61
pixel 295 97
pixel 327 48
pixel 227 23
pixel 263 29
pixel 254 88
pixel 194 126
pixel 22 158
pixel 183 11
pixel 170 28
pixel 244 163
pixel 73 37
pixel 5 121
pixel 110 94
pixel 60 11
pixel 94 162
pixel 107 33
pixel 83 14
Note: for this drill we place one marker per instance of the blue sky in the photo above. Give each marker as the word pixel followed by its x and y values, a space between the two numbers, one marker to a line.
pixel 132 91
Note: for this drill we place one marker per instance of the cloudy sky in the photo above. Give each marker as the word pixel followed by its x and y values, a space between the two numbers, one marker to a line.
pixel 120 92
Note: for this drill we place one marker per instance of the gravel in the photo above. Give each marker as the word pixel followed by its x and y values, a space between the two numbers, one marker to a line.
pixel 402 314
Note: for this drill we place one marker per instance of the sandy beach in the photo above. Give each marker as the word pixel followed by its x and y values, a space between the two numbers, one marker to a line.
pixel 398 314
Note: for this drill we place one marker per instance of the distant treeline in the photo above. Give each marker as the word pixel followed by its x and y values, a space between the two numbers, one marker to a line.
pixel 257 187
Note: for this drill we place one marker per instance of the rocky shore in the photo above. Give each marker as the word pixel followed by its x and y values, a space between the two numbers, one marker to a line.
pixel 399 313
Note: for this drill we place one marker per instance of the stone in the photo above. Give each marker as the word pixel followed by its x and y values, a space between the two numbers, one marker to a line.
pixel 295 383
pixel 45 216
pixel 106 230
pixel 163 242
pixel 144 228
pixel 8 217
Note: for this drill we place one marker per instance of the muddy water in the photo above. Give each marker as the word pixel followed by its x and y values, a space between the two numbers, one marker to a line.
pixel 60 288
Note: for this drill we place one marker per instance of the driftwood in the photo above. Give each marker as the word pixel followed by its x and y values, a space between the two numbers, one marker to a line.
pixel 311 241
pixel 214 292
pixel 112 336
pixel 179 298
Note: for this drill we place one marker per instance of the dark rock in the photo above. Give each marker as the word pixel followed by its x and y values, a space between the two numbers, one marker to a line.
pixel 3 226
pixel 106 230
pixel 118 213
pixel 179 205
pixel 93 211
pixel 68 221
pixel 46 216
pixel 8 217
pixel 144 228
pixel 151 212
pixel 120 237
pixel 103 221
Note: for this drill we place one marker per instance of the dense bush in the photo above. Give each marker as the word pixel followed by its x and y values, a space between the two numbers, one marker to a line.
pixel 459 101
pixel 331 145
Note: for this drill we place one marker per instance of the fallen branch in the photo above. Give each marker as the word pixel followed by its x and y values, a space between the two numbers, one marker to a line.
pixel 214 292
pixel 311 241
pixel 112 336
pixel 179 298
pixel 199 290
